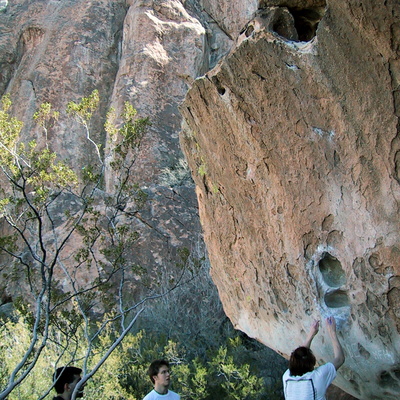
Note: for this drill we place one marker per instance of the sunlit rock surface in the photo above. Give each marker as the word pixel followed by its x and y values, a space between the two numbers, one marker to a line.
pixel 293 141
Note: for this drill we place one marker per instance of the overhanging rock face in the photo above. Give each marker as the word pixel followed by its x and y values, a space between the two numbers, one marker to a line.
pixel 294 147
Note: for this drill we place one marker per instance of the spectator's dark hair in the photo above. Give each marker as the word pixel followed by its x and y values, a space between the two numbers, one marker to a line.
pixel 155 368
pixel 64 375
pixel 302 360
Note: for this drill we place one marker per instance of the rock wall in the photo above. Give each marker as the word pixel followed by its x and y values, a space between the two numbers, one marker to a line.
pixel 142 51
pixel 293 142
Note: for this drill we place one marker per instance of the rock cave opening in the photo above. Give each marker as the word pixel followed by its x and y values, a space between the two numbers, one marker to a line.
pixel 306 20
pixel 293 21
pixel 331 270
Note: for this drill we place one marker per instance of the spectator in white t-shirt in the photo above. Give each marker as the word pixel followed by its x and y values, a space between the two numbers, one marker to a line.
pixel 301 381
pixel 160 377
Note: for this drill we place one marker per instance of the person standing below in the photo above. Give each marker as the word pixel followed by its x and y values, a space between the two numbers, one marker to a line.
pixel 65 380
pixel 160 377
pixel 301 381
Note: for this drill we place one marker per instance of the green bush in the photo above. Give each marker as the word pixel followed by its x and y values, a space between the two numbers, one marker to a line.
pixel 216 375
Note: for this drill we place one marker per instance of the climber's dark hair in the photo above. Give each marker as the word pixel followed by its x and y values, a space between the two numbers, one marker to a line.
pixel 64 375
pixel 302 360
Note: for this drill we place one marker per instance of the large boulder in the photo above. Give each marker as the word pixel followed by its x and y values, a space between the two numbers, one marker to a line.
pixel 293 142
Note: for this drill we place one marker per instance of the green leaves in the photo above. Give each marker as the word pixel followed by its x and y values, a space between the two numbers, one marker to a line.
pixel 57 224
pixel 47 175
pixel 237 380
pixel 10 129
pixel 8 243
pixel 45 115
pixel 84 110
pixel 129 134
pixel 221 374
pixel 28 167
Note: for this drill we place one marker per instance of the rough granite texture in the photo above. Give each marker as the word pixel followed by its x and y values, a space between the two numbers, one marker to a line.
pixel 294 147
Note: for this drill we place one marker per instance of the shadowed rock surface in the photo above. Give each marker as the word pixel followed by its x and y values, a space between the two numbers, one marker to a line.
pixel 293 142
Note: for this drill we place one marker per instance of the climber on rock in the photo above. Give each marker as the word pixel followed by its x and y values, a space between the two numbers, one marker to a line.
pixel 301 381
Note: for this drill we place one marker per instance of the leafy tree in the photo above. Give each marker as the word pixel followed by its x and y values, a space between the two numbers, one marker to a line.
pixel 123 375
pixel 237 381
pixel 46 209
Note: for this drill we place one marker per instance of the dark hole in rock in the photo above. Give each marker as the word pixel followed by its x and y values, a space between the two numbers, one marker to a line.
pixel 336 299
pixel 282 27
pixel 331 270
pixel 306 21
pixel 387 380
pixel 249 30
pixel 221 90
